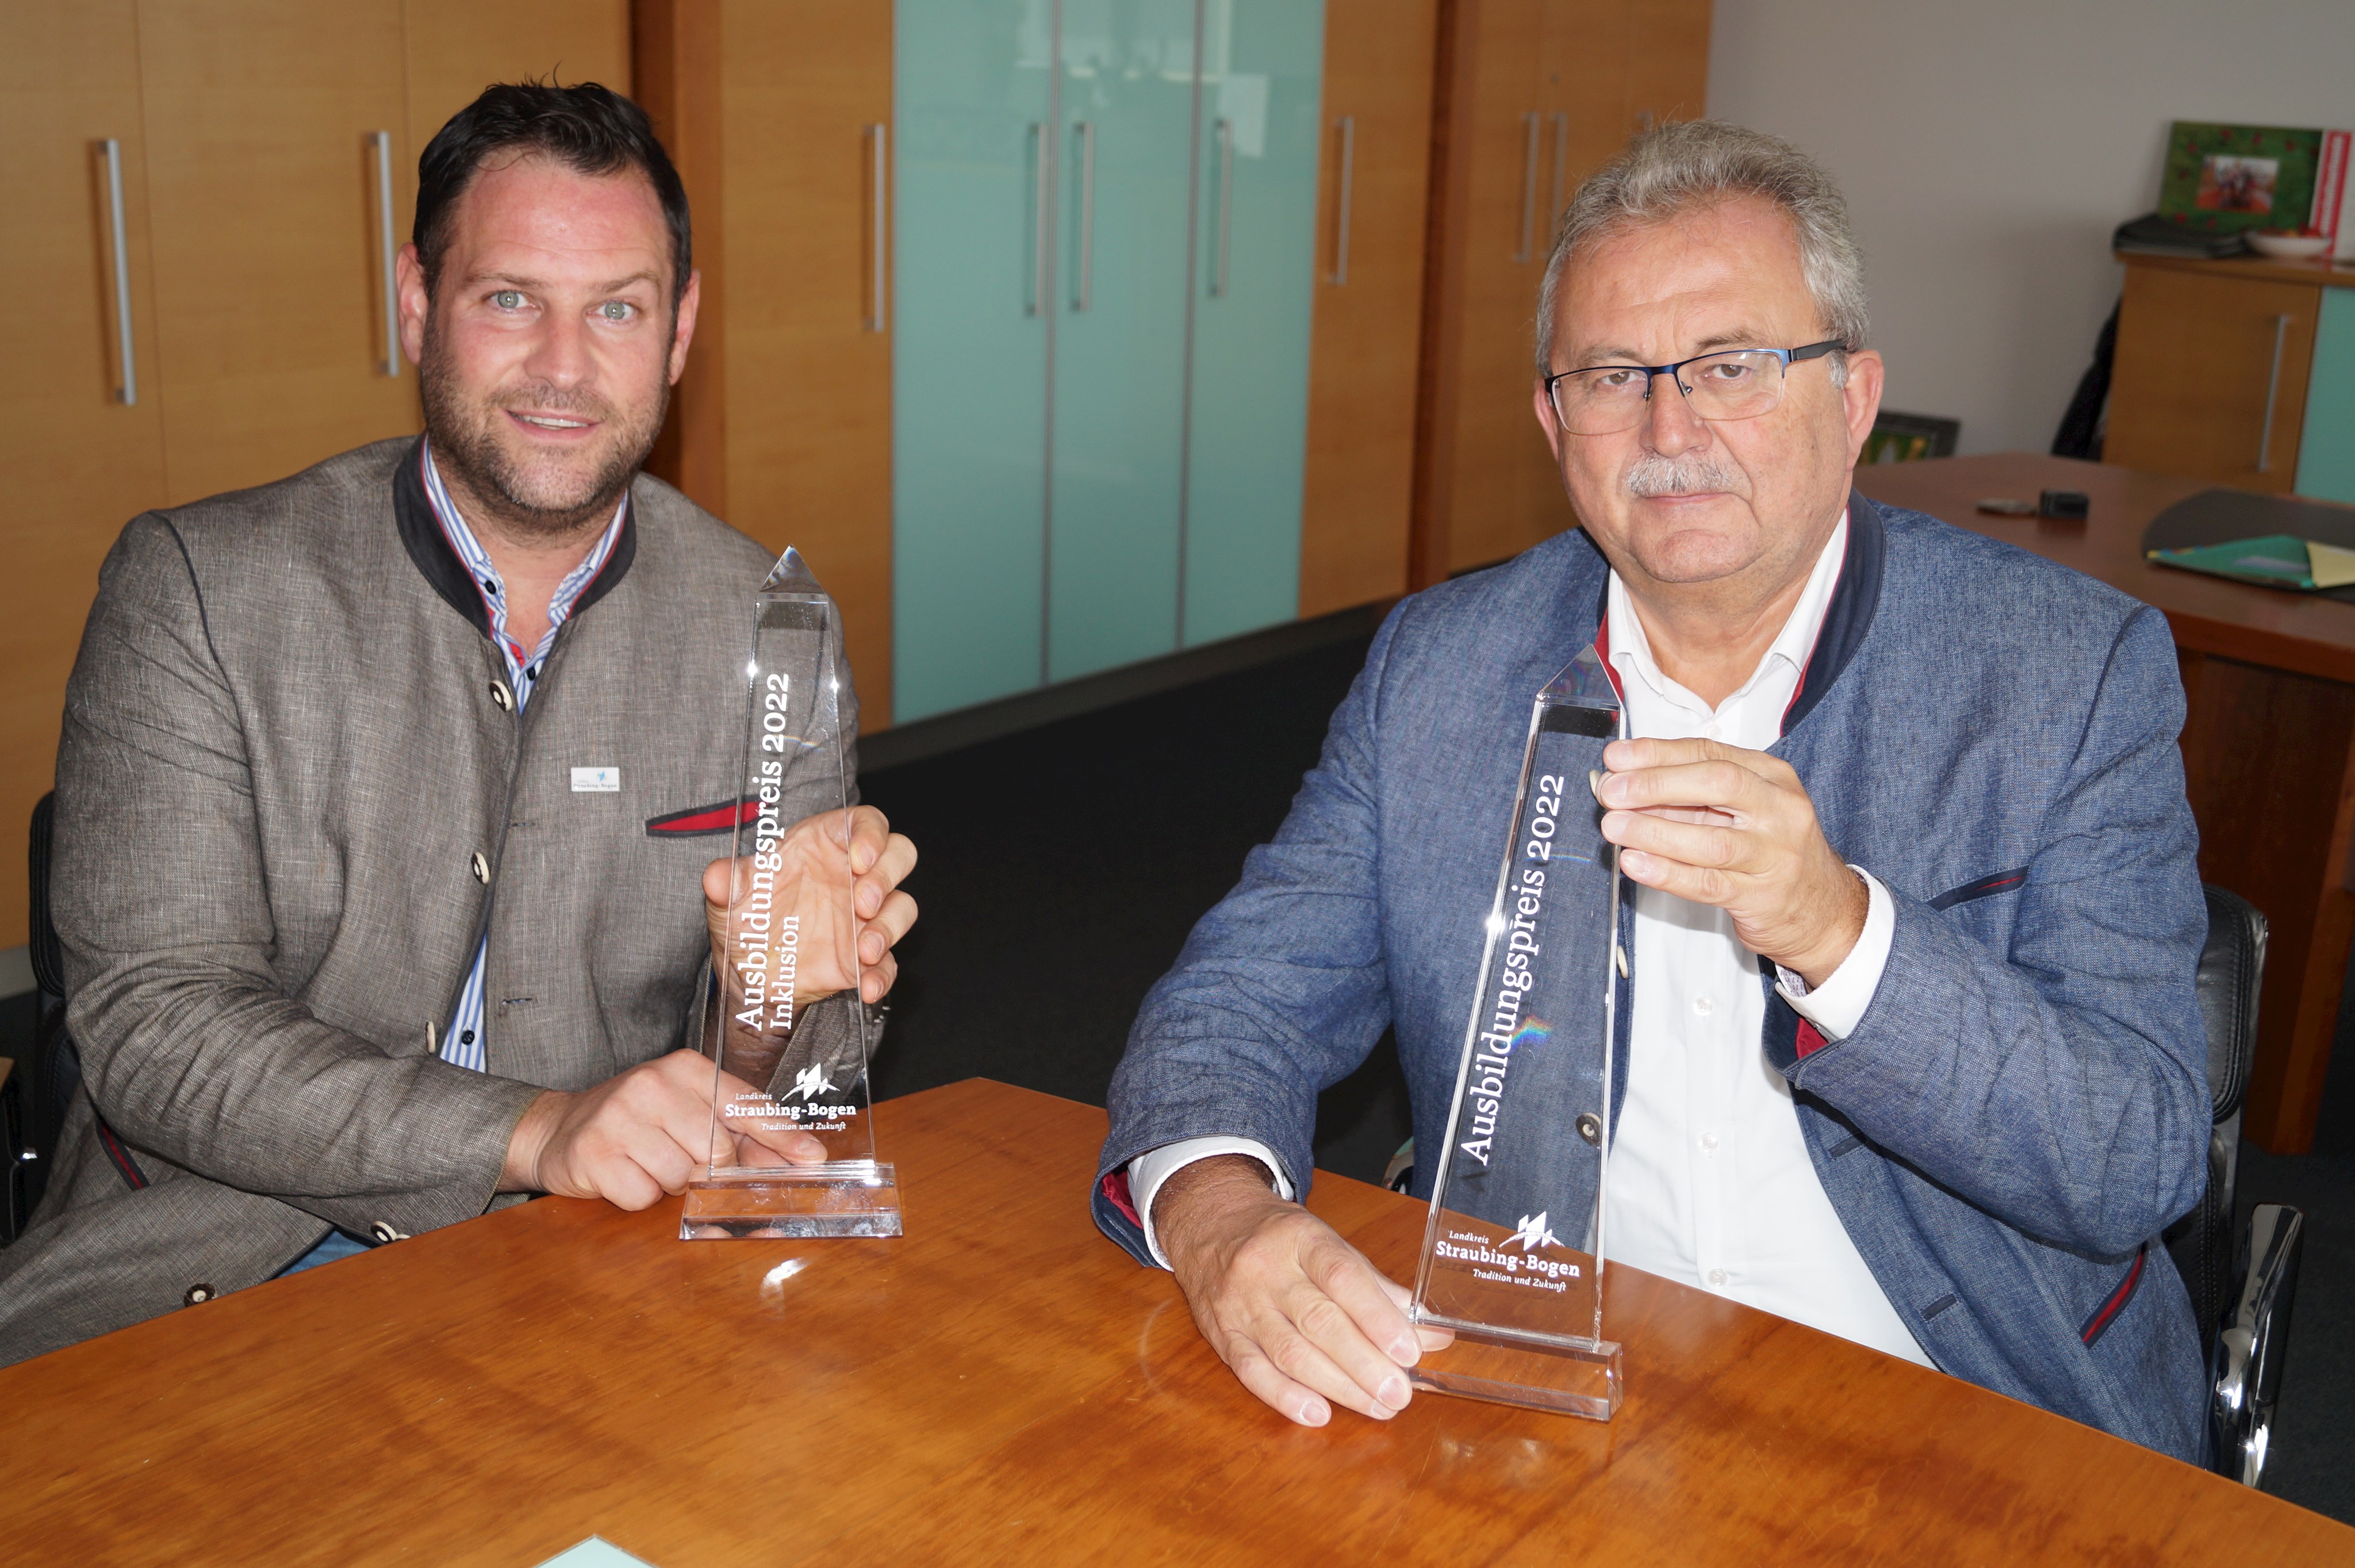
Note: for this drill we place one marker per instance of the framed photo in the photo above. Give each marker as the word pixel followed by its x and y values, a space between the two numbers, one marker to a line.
pixel 2229 178
pixel 1909 438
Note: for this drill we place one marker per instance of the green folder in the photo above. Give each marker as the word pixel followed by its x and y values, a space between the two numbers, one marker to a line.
pixel 2277 561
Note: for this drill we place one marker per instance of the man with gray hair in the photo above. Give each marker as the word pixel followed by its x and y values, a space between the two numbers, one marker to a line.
pixel 1912 1051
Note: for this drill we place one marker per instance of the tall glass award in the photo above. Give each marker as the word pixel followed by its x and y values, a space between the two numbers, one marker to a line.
pixel 1512 1254
pixel 784 1025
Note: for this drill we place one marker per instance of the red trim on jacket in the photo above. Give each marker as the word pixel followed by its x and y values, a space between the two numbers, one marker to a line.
pixel 2109 1309
pixel 697 819
pixel 1116 1191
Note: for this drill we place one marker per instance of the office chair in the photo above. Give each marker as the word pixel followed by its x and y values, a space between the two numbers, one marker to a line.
pixel 2242 1289
pixel 53 1072
pixel 2242 1294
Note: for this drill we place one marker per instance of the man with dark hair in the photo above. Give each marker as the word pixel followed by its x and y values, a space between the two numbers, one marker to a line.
pixel 388 793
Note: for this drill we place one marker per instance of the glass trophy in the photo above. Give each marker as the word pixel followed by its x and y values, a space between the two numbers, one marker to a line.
pixel 1512 1254
pixel 783 1022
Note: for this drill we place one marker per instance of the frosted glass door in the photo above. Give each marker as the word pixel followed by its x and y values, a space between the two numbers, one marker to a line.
pixel 973 103
pixel 1255 249
pixel 2326 455
pixel 1120 332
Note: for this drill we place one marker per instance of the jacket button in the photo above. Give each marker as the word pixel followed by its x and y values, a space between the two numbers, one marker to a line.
pixel 482 868
pixel 198 1295
pixel 503 697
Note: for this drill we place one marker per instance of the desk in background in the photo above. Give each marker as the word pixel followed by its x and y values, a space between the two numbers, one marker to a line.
pixel 1002 1385
pixel 2268 747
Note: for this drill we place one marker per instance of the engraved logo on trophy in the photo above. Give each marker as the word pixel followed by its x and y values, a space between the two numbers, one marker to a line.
pixel 1525 1146
pixel 784 1025
pixel 1532 1234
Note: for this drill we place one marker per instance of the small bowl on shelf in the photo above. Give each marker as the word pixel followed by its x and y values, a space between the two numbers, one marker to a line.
pixel 2289 246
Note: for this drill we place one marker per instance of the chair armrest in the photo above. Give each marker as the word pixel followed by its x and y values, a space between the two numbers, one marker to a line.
pixel 2246 1363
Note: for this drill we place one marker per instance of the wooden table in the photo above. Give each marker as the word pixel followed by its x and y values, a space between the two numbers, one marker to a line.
pixel 1004 1385
pixel 2268 748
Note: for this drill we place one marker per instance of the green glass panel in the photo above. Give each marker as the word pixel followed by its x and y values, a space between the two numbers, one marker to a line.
pixel 1120 332
pixel 973 85
pixel 1259 146
pixel 2326 453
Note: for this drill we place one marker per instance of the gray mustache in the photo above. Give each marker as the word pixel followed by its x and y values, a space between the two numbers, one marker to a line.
pixel 1653 474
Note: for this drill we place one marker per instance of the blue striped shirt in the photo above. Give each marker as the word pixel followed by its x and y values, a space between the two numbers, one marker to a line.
pixel 461 1042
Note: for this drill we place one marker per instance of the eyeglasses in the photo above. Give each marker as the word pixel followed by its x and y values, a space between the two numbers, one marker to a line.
pixel 1732 384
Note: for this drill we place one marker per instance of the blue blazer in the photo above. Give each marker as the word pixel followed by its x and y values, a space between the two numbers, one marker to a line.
pixel 2024 1105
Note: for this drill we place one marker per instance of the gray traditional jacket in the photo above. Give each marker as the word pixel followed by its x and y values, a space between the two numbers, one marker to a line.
pixel 284 748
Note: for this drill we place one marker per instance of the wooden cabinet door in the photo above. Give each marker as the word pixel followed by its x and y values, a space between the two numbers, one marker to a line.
pixel 1667 62
pixel 805 95
pixel 1365 347
pixel 80 461
pixel 1543 93
pixel 1491 485
pixel 1584 51
pixel 457 47
pixel 2209 380
pixel 267 232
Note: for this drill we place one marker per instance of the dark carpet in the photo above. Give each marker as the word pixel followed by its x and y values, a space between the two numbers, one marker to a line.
pixel 1061 869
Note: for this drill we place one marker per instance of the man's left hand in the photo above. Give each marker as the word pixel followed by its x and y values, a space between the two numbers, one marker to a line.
pixel 1721 826
pixel 827 861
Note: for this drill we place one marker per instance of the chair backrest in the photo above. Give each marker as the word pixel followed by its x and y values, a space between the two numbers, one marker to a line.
pixel 48 956
pixel 55 1072
pixel 2232 966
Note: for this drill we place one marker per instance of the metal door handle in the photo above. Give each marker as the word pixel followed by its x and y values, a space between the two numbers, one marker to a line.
pixel 1087 134
pixel 1037 219
pixel 383 140
pixel 2272 392
pixel 1340 278
pixel 128 360
pixel 1560 159
pixel 1226 204
pixel 1528 185
pixel 879 192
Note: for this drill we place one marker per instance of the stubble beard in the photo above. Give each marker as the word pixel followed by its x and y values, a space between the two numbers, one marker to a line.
pixel 545 500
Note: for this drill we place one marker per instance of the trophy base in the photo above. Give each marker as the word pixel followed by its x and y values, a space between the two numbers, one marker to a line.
pixel 1568 1377
pixel 843 1198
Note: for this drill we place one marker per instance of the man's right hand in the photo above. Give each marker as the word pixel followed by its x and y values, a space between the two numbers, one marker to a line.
pixel 636 1136
pixel 1295 1312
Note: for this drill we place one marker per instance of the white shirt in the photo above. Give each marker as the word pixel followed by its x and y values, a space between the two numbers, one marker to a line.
pixel 1711 1182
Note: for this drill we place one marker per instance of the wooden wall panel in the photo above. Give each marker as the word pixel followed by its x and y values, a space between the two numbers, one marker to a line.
pixel 675 72
pixel 457 47
pixel 805 87
pixel 80 463
pixel 1366 352
pixel 1667 62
